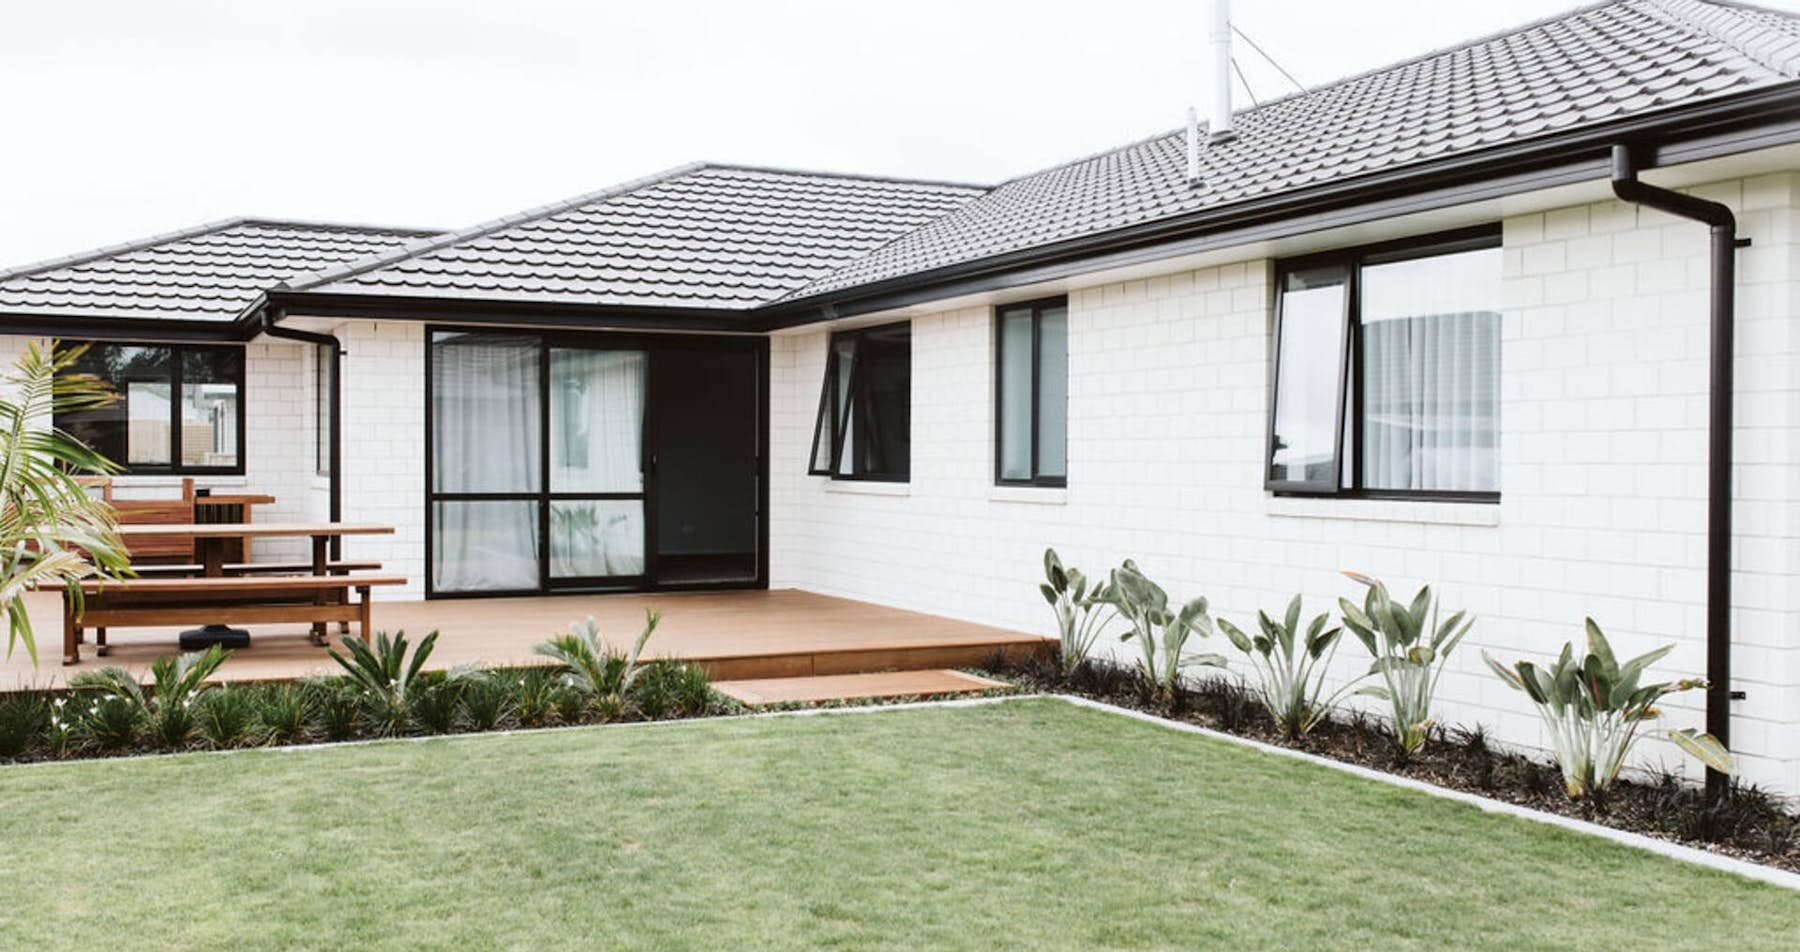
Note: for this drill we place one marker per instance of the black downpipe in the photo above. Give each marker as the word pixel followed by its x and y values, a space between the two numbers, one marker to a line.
pixel 1719 431
pixel 335 490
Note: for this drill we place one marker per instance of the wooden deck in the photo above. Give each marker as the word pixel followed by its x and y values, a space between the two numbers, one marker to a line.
pixel 737 635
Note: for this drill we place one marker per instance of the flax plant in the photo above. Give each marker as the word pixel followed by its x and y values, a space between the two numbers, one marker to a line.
pixel 52 532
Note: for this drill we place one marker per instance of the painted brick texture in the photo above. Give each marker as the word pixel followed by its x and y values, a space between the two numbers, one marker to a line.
pixel 1604 368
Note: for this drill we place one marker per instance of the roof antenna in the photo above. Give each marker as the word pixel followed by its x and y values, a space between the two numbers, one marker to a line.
pixel 1219 123
pixel 1193 148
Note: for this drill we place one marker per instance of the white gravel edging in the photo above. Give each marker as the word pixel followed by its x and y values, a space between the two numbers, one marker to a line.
pixel 1677 851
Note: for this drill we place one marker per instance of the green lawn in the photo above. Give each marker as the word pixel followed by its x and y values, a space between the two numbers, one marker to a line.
pixel 1030 824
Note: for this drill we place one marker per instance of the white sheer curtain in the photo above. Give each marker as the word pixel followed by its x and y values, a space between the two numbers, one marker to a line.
pixel 596 446
pixel 485 433
pixel 1431 373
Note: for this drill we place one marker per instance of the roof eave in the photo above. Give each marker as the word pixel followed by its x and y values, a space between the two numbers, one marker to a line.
pixel 1715 127
pixel 281 304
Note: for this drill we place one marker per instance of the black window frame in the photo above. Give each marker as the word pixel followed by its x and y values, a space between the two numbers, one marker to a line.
pixel 1037 309
pixel 829 407
pixel 176 351
pixel 1349 420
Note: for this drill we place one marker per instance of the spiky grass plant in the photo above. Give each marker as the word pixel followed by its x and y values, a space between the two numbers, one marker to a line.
pixel 109 722
pixel 285 713
pixel 52 532
pixel 673 689
pixel 1291 665
pixel 1083 609
pixel 24 717
pixel 534 693
pixel 227 718
pixel 1595 707
pixel 167 708
pixel 382 676
pixel 433 705
pixel 487 701
pixel 591 666
pixel 1162 631
pixel 1411 648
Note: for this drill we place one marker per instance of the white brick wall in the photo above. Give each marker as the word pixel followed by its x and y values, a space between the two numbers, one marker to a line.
pixel 1603 473
pixel 384 446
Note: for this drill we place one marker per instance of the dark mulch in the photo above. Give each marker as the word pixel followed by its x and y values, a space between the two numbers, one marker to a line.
pixel 1746 821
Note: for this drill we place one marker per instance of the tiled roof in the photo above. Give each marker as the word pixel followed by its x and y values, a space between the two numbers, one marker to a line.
pixel 1586 66
pixel 700 236
pixel 210 273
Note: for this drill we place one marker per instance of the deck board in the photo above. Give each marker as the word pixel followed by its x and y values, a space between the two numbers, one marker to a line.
pixel 736 635
pixel 841 687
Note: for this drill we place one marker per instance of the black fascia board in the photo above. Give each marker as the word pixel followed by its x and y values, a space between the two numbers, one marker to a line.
pixel 440 310
pixel 104 327
pixel 1759 119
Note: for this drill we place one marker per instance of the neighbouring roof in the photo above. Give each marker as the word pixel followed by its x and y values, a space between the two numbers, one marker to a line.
pixel 209 273
pixel 735 239
pixel 699 236
pixel 1586 66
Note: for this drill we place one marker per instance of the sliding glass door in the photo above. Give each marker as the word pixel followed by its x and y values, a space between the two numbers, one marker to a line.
pixel 596 464
pixel 543 463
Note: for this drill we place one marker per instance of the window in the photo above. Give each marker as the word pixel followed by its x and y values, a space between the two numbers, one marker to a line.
pixel 1031 393
pixel 864 426
pixel 178 408
pixel 1387 371
pixel 324 378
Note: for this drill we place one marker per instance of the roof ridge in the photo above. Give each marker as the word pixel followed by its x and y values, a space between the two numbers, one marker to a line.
pixel 1724 23
pixel 362 265
pixel 361 228
pixel 95 254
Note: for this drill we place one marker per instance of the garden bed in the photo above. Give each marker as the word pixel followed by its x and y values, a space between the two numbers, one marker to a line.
pixel 1747 822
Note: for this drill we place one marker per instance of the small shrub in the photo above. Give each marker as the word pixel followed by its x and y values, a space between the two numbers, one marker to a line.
pixel 1082 610
pixel 486 702
pixel 534 696
pixel 431 706
pixel 1410 647
pixel 1593 707
pixel 1162 632
pixel 592 667
pixel 339 708
pixel 1290 667
pixel 63 734
pixel 167 709
pixel 110 722
pixel 284 713
pixel 24 718
pixel 226 717
pixel 673 689
pixel 382 675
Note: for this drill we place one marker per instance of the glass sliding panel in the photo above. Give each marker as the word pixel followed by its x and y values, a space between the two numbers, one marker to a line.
pixel 593 538
pixel 1053 392
pixel 484 545
pixel 1308 371
pixel 597 421
pixel 485 414
pixel 1015 394
pixel 209 407
pixel 1431 373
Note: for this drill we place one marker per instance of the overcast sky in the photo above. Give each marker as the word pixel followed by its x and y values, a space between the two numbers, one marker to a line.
pixel 125 118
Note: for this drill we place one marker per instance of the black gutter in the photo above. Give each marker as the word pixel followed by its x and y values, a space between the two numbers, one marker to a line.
pixel 335 506
pixel 1723 224
pixel 136 329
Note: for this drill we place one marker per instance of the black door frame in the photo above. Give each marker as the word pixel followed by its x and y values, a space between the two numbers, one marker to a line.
pixel 652 345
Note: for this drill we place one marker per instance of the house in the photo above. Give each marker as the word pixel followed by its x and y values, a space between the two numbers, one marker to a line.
pixel 1402 323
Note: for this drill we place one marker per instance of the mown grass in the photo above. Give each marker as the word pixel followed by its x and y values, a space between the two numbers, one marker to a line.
pixel 1027 824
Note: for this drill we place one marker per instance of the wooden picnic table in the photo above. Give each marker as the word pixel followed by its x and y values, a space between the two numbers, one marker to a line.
pixel 212 542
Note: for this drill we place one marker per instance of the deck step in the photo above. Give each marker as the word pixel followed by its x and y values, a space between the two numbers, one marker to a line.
pixel 844 687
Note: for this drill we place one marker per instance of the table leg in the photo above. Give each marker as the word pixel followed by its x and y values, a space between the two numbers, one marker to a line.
pixel 319 544
pixel 212 562
pixel 71 648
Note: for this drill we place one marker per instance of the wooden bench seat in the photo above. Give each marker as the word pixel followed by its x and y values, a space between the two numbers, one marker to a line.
pixel 243 599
